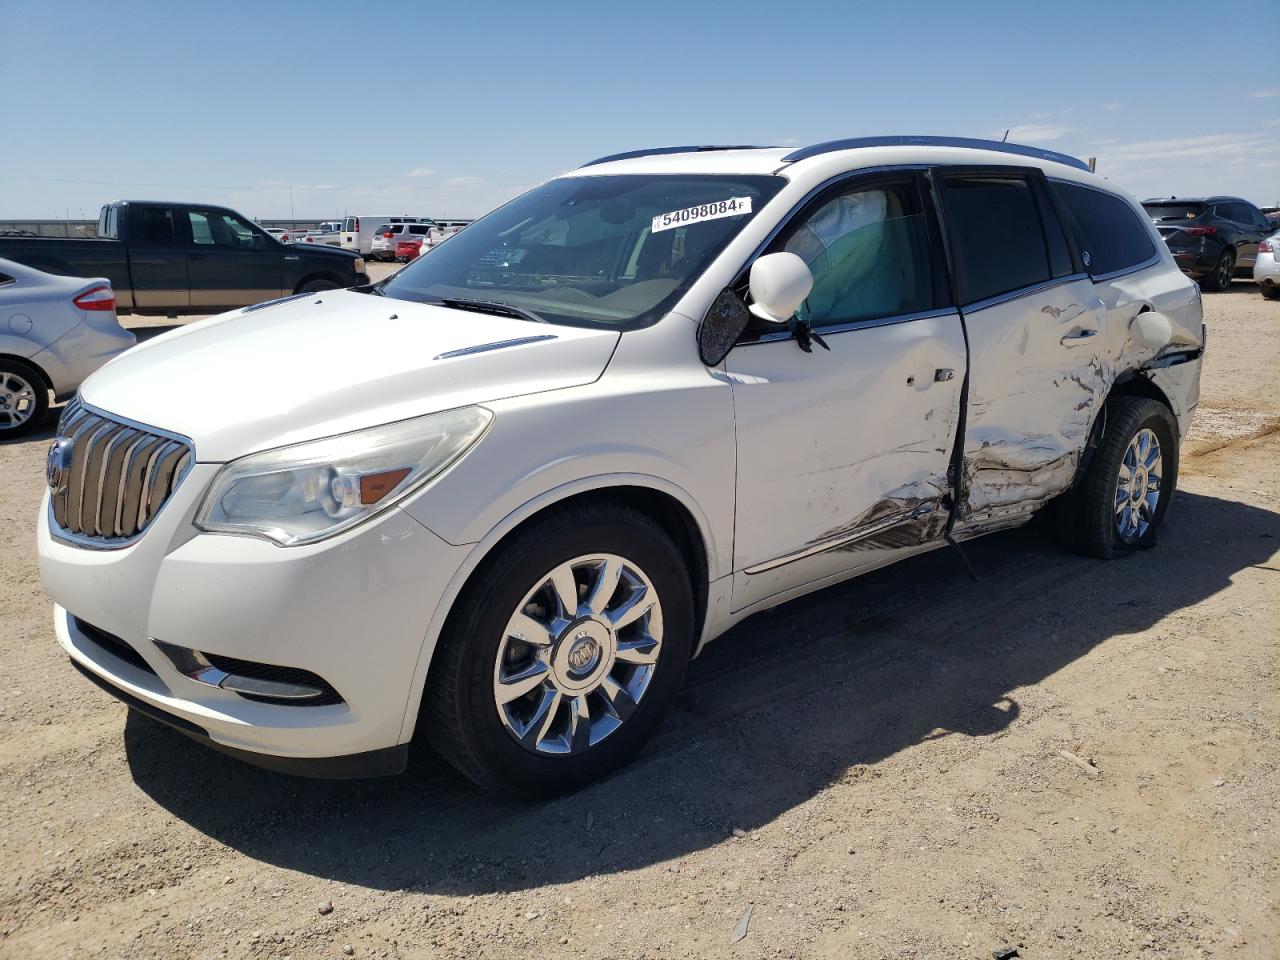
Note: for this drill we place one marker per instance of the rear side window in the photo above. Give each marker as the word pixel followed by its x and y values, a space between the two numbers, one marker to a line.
pixel 383 228
pixel 151 227
pixel 1114 237
pixel 5 279
pixel 996 236
pixel 419 229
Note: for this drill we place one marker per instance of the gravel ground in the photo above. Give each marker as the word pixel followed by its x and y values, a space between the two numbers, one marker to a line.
pixel 1069 758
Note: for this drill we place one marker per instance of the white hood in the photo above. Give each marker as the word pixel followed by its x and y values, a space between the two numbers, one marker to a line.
pixel 332 362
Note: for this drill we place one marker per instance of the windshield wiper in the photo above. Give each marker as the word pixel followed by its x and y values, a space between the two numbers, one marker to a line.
pixel 492 306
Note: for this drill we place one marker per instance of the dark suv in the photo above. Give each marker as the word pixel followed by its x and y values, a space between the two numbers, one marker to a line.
pixel 1213 238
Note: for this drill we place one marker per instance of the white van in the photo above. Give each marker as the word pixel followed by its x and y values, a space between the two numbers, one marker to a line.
pixel 357 232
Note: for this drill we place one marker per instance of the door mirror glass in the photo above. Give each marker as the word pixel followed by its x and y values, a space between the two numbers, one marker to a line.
pixel 721 327
pixel 780 282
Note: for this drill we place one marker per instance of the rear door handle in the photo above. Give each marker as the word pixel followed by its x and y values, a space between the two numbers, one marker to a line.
pixel 1075 339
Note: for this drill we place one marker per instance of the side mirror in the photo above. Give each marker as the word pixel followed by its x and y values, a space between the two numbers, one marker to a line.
pixel 721 327
pixel 779 284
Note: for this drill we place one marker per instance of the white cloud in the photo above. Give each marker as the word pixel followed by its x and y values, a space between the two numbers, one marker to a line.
pixel 1111 105
pixel 421 172
pixel 1264 94
pixel 1244 164
pixel 1036 133
pixel 464 182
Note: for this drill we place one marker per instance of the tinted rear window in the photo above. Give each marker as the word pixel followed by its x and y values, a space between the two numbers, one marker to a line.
pixel 1114 237
pixel 1173 211
pixel 384 228
pixel 996 233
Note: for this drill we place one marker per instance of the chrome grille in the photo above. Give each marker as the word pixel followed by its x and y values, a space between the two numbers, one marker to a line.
pixel 107 478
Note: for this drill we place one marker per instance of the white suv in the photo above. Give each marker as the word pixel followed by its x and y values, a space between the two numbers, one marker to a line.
pixel 502 497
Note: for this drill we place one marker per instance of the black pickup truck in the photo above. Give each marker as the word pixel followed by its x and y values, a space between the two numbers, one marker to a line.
pixel 170 258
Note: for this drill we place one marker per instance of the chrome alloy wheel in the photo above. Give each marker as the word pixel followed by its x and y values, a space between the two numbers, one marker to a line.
pixel 1138 486
pixel 17 400
pixel 578 654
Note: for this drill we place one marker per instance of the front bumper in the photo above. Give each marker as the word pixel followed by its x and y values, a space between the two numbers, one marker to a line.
pixel 354 610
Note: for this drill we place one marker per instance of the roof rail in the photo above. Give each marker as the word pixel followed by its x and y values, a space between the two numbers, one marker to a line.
pixel 831 146
pixel 654 151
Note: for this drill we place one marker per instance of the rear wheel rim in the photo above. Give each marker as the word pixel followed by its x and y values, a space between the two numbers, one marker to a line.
pixel 578 655
pixel 1138 486
pixel 1226 267
pixel 17 400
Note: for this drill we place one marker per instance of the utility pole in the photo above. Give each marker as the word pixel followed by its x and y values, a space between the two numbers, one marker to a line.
pixel 291 214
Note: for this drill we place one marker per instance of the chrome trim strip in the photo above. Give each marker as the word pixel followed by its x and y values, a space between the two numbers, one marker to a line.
pixel 194 665
pixel 786 334
pixel 822 546
pixel 1022 292
pixel 496 345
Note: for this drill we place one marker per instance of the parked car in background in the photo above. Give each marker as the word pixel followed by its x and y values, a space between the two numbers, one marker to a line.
pixel 1272 214
pixel 169 258
pixel 503 496
pixel 54 332
pixel 358 232
pixel 1266 269
pixel 391 234
pixel 278 233
pixel 443 230
pixel 1213 239
pixel 329 232
pixel 409 249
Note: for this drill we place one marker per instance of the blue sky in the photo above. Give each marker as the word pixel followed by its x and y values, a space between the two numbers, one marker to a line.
pixel 447 109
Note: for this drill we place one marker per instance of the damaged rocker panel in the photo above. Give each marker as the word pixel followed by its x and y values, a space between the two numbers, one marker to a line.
pixel 849 539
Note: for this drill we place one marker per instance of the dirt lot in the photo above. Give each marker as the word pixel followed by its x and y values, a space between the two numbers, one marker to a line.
pixel 874 771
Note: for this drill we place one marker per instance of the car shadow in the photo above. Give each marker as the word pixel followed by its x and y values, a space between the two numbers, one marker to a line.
pixel 788 702
pixel 143 334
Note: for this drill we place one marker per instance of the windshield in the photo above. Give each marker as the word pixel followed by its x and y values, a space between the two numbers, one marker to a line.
pixel 1173 211
pixel 591 251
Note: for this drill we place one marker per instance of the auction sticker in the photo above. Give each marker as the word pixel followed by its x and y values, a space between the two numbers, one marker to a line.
pixel 733 207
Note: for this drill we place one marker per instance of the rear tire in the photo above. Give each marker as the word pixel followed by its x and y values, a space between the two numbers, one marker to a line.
pixel 1223 272
pixel 315 286
pixel 1123 498
pixel 24 399
pixel 553 739
pixel 1271 291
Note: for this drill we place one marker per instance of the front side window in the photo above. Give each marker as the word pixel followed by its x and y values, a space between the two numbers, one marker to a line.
pixel 215 228
pixel 996 235
pixel 868 251
pixel 611 251
pixel 1114 235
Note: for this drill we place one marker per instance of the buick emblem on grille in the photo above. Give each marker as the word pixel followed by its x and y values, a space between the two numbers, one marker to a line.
pixel 57 464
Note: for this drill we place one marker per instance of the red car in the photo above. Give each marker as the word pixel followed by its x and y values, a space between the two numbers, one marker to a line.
pixel 407 250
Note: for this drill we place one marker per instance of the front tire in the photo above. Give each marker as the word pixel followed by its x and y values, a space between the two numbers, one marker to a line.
pixel 564 652
pixel 24 399
pixel 1123 498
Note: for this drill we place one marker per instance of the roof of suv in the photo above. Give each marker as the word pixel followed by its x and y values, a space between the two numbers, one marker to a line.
pixel 1218 199
pixel 767 160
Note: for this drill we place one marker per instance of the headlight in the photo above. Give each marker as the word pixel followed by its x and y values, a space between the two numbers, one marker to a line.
pixel 309 491
pixel 359 264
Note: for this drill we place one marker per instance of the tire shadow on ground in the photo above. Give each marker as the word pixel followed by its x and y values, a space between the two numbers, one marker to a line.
pixel 785 704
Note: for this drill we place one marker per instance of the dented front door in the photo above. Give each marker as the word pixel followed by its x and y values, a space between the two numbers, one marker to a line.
pixel 842 454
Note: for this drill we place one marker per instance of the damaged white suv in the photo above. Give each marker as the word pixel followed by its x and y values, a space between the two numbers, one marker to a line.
pixel 502 497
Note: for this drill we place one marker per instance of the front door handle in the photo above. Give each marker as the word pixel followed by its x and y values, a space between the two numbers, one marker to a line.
pixel 1075 339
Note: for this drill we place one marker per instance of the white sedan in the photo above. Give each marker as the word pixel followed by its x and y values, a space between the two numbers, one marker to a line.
pixel 1266 269
pixel 54 332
